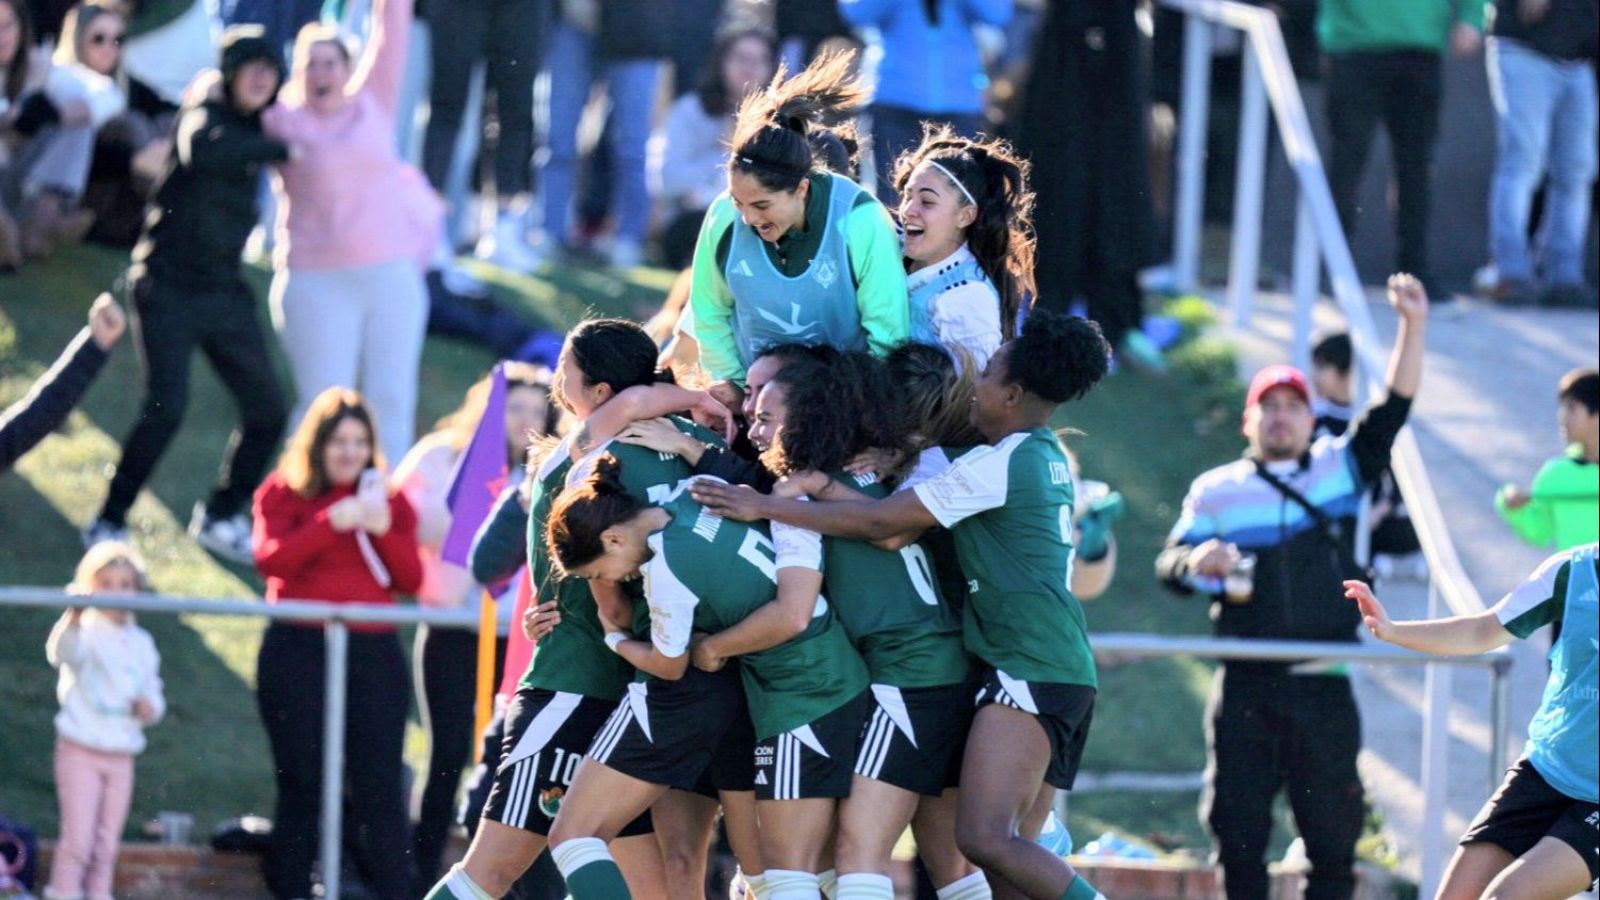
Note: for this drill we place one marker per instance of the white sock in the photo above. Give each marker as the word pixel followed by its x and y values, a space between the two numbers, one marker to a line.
pixel 864 886
pixel 972 887
pixel 570 856
pixel 461 886
pixel 828 883
pixel 757 885
pixel 783 884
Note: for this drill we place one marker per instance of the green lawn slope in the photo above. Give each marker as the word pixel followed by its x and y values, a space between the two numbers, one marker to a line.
pixel 1147 436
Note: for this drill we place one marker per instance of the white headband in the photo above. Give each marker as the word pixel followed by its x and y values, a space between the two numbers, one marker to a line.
pixel 952 176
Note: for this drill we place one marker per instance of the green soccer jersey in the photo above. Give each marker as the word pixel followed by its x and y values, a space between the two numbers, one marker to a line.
pixel 707 574
pixel 573 657
pixel 651 476
pixel 576 658
pixel 1010 506
pixel 889 602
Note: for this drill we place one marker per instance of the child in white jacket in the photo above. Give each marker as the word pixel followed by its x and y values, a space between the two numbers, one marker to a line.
pixel 110 690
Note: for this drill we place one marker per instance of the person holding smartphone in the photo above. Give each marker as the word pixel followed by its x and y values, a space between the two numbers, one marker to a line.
pixel 327 528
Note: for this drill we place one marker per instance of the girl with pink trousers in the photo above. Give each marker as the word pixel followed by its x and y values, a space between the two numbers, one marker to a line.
pixel 356 225
pixel 110 691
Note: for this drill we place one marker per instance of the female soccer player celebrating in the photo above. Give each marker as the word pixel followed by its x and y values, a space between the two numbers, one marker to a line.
pixel 1009 504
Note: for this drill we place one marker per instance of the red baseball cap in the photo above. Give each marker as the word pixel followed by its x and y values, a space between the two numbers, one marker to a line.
pixel 1277 376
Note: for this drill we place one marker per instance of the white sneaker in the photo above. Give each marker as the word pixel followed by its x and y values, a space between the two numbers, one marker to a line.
pixel 228 538
pixel 100 531
pixel 505 246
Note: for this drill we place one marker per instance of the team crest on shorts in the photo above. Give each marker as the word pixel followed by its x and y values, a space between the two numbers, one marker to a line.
pixel 550 801
pixel 826 271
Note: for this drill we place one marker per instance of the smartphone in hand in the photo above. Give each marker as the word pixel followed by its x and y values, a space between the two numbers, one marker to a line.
pixel 371 489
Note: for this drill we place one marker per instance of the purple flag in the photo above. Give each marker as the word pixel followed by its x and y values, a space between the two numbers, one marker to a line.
pixel 480 475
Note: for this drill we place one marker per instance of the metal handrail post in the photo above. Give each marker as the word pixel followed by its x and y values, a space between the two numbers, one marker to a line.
pixel 1307 274
pixel 337 639
pixel 1436 694
pixel 1500 701
pixel 1189 211
pixel 1245 256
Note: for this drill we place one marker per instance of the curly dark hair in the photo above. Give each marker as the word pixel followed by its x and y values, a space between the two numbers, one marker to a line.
pixel 1058 357
pixel 834 411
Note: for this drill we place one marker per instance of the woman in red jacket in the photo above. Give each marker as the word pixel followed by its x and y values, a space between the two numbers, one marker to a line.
pixel 327 529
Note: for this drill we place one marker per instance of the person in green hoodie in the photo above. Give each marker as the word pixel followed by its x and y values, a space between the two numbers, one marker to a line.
pixel 1384 65
pixel 1562 508
pixel 793 253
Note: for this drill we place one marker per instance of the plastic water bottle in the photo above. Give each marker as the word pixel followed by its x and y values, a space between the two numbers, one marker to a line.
pixel 1055 837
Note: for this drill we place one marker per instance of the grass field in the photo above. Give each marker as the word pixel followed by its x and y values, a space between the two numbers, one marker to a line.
pixel 1146 436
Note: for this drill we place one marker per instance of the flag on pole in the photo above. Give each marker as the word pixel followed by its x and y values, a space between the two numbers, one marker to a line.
pixel 480 475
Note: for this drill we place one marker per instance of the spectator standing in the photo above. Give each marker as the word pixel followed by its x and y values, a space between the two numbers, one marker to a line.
pixel 27 421
pixel 1395 547
pixel 690 156
pixel 16 75
pixel 444 658
pixel 327 529
pixel 1384 60
pixel 793 253
pixel 1542 80
pixel 1271 723
pixel 931 71
pixel 506 36
pixel 1535 836
pixel 110 691
pixel 356 225
pixel 1084 118
pixel 1562 508
pixel 190 295
pixel 622 43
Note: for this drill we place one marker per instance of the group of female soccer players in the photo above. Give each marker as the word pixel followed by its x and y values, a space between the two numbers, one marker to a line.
pixel 855 619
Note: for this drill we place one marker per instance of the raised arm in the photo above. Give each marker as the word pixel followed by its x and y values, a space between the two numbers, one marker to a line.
pixel 646 402
pixel 1410 300
pixel 1455 636
pixel 383 62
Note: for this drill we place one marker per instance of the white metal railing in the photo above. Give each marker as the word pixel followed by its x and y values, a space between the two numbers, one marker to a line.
pixel 336 617
pixel 1268 81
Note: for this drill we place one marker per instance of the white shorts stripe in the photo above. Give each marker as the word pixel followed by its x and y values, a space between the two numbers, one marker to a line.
pixel 609 736
pixel 517 798
pixel 546 722
pixel 875 745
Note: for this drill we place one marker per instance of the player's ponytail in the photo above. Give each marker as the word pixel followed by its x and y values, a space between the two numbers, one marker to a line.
pixel 990 176
pixel 583 513
pixel 770 132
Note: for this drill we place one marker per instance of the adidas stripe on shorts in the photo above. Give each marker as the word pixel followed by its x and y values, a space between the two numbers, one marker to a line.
pixel 669 732
pixel 547 735
pixel 914 737
pixel 814 760
pixel 1063 710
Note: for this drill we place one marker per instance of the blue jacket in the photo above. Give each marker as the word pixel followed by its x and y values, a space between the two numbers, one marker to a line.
pixel 929 68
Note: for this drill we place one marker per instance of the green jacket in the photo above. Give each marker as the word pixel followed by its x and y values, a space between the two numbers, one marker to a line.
pixel 1345 26
pixel 1565 509
pixel 875 266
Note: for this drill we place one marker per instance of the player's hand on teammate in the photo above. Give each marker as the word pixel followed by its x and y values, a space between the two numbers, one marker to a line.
pixel 661 436
pixel 1373 615
pixel 800 484
pixel 740 503
pixel 881 463
pixel 713 414
pixel 703 658
pixel 538 621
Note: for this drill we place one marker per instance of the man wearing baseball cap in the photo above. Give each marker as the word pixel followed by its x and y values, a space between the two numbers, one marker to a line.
pixel 1269 539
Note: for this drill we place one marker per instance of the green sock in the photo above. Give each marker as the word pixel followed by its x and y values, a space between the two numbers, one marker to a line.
pixel 1081 889
pixel 590 871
